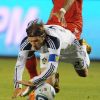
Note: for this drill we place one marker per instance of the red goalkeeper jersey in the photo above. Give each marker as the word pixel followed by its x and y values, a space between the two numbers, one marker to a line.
pixel 73 16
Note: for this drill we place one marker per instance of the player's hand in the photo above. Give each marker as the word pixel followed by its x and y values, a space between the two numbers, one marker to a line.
pixel 27 91
pixel 61 18
pixel 29 87
pixel 17 92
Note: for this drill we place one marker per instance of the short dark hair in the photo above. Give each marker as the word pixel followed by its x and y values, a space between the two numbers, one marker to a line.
pixel 35 28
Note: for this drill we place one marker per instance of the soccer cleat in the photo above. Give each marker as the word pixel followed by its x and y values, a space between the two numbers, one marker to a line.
pixel 88 47
pixel 56 85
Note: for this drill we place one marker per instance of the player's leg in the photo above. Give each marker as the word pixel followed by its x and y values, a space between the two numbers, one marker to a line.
pixel 31 65
pixel 82 72
pixel 77 55
pixel 86 46
pixel 82 60
pixel 81 67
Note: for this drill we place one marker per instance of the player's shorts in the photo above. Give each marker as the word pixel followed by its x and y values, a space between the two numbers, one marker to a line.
pixel 76 55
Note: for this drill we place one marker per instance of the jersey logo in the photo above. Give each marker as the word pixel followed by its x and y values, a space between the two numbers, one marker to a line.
pixel 44 60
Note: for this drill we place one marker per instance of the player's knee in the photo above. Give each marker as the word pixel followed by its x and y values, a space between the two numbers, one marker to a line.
pixel 82 73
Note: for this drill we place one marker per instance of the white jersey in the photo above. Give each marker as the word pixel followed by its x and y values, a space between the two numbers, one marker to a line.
pixel 57 39
pixel 65 36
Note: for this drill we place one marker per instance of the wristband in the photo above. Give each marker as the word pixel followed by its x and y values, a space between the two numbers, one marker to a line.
pixel 63 10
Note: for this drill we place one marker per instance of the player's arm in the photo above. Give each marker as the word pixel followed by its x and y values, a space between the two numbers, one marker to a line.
pixel 53 59
pixel 63 10
pixel 50 70
pixel 38 80
pixel 67 5
pixel 25 47
pixel 19 68
pixel 60 14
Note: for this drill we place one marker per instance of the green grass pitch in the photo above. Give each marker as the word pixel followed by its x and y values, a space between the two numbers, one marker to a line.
pixel 72 86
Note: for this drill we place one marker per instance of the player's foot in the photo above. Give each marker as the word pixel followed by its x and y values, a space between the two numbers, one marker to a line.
pixel 56 85
pixel 88 47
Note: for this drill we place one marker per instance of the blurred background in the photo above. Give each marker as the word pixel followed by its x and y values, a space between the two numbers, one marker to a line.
pixel 14 16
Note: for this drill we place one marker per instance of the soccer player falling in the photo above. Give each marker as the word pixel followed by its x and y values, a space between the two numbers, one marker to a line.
pixel 68 14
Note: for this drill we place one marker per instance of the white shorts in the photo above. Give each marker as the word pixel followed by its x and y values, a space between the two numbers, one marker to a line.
pixel 76 55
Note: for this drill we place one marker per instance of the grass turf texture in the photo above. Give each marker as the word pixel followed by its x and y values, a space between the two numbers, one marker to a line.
pixel 73 87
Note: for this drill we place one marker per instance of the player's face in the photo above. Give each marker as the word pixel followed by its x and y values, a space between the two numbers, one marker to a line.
pixel 36 42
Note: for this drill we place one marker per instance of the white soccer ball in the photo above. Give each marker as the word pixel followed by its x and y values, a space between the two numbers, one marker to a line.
pixel 45 92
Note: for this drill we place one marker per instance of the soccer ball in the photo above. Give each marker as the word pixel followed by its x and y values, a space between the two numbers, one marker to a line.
pixel 45 92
